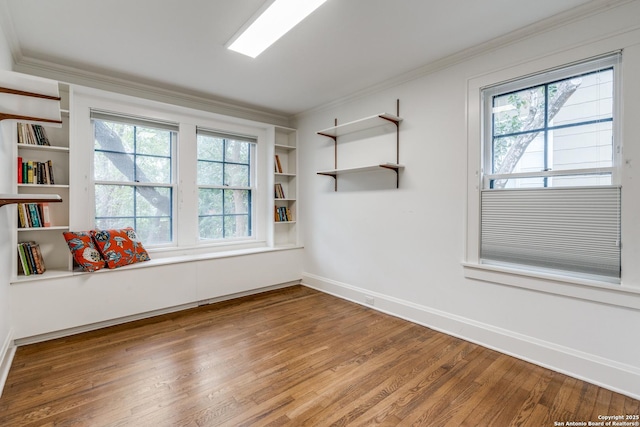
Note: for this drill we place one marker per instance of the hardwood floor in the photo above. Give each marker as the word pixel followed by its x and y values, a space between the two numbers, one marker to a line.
pixel 289 357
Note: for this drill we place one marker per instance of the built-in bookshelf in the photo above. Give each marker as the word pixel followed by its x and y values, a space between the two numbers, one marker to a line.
pixel 285 192
pixel 41 172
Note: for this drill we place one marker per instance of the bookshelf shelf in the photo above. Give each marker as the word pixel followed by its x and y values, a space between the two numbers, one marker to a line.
pixel 51 228
pixel 382 119
pixel 42 148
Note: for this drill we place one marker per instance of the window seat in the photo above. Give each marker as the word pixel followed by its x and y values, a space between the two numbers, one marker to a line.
pixel 157 259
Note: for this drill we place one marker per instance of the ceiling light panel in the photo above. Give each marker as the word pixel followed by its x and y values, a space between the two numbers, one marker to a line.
pixel 280 17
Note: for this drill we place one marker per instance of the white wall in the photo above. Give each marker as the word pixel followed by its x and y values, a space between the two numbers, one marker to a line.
pixel 406 247
pixel 6 152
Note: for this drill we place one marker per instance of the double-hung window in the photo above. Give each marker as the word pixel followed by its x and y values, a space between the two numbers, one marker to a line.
pixel 225 178
pixel 134 175
pixel 550 197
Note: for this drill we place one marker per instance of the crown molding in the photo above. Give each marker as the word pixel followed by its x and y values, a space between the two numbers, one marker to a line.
pixel 153 92
pixel 549 24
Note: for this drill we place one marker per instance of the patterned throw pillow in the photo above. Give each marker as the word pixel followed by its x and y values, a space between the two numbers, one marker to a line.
pixel 84 252
pixel 119 247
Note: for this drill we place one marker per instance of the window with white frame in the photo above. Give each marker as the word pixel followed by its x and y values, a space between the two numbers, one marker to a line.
pixel 134 170
pixel 550 197
pixel 225 179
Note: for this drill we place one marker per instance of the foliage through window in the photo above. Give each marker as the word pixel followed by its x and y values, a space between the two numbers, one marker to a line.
pixel 133 174
pixel 553 130
pixel 225 186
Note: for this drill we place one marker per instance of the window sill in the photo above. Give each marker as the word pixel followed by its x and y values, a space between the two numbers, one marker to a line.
pixel 590 290
pixel 154 262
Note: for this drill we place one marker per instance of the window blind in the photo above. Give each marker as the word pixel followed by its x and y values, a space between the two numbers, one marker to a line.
pixel 133 120
pixel 224 135
pixel 570 229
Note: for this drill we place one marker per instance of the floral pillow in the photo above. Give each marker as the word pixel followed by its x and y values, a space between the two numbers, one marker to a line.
pixel 119 247
pixel 84 251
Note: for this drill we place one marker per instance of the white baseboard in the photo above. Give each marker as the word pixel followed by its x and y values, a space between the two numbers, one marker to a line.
pixel 7 351
pixel 612 375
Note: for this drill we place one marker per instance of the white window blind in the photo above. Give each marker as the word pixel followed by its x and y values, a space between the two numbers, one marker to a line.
pixel 570 229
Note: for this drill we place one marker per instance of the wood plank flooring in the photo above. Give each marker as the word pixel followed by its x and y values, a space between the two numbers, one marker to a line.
pixel 295 357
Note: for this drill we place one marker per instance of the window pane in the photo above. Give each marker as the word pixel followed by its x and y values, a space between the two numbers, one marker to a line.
pixel 554 181
pixel 111 223
pixel 522 153
pixel 236 201
pixel 153 169
pixel 209 173
pixel 114 136
pixel 210 148
pixel 236 226
pixel 210 202
pixel 536 182
pixel 580 147
pixel 153 141
pixel 518 111
pixel 210 227
pixel 589 97
pixel 153 201
pixel 114 201
pixel 237 151
pixel 113 166
pixel 154 231
pixel 236 175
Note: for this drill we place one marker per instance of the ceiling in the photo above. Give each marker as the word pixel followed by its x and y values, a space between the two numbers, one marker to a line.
pixel 345 47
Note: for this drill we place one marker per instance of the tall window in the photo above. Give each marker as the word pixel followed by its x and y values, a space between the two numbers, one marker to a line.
pixel 225 185
pixel 133 174
pixel 550 198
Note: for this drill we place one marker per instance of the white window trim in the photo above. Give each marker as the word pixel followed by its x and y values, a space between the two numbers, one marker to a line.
pixel 186 240
pixel 621 294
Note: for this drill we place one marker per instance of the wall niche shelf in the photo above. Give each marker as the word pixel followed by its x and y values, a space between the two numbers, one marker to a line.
pixel 357 126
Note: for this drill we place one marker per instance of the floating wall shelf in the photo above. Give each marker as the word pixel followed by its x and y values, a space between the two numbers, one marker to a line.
pixel 9 199
pixel 356 126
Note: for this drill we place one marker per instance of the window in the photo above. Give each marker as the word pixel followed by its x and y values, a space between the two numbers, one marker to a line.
pixel 133 175
pixel 549 197
pixel 554 130
pixel 225 185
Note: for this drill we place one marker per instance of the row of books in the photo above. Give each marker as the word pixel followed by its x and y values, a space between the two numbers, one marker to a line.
pixel 283 214
pixel 32 134
pixel 279 192
pixel 30 259
pixel 33 215
pixel 32 172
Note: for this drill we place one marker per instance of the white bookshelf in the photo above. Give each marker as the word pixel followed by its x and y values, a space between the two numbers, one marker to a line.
pixel 54 249
pixel 285 230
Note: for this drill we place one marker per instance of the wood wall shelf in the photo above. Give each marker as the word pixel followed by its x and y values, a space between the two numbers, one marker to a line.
pixel 334 172
pixel 9 199
pixel 359 125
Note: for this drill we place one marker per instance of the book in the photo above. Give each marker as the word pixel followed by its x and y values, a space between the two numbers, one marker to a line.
pixel 22 216
pixel 19 170
pixel 38 260
pixel 45 214
pixel 279 191
pixel 24 263
pixel 278 164
pixel 32 134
